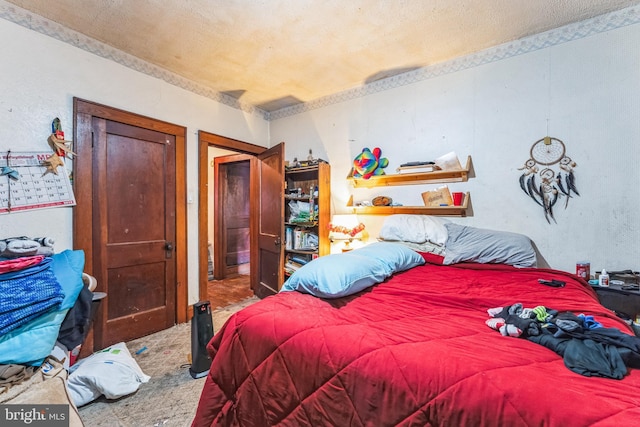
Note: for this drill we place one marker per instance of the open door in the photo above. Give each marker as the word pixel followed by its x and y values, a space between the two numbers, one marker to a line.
pixel 208 140
pixel 267 217
pixel 232 220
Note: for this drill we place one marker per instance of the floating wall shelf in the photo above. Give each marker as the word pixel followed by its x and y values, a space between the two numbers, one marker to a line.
pixel 433 177
pixel 413 210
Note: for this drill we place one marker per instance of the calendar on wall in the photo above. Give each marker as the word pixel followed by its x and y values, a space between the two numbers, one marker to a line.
pixel 27 184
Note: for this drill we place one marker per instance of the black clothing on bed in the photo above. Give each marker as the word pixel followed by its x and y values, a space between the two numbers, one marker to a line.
pixel 586 347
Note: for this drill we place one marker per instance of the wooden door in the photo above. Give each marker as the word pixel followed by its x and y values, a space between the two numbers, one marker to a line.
pixel 231 245
pixel 134 229
pixel 267 207
pixel 122 158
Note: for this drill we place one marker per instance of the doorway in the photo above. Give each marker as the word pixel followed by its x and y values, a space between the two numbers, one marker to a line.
pixel 231 217
pixel 229 229
pixel 227 254
pixel 130 219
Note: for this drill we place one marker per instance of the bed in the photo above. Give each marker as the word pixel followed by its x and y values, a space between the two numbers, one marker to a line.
pixel 421 347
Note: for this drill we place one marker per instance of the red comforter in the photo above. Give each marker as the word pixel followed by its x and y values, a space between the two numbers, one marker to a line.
pixel 414 350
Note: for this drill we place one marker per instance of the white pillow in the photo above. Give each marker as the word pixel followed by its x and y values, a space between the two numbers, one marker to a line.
pixel 415 229
pixel 112 372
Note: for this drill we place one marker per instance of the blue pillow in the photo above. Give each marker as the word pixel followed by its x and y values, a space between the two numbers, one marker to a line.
pixel 68 266
pixel 397 257
pixel 339 275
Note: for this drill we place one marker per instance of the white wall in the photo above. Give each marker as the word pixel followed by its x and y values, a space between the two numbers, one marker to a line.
pixel 585 92
pixel 40 76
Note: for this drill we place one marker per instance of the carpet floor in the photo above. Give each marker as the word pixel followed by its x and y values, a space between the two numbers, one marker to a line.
pixel 171 396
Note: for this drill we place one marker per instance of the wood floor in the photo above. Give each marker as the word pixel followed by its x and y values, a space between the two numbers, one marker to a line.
pixel 229 290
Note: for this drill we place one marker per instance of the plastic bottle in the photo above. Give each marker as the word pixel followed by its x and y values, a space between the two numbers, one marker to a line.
pixel 603 280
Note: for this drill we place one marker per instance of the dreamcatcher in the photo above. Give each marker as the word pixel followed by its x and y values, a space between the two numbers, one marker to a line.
pixel 552 185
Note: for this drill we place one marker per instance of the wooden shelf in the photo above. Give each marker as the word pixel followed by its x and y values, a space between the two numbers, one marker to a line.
pixel 302 251
pixel 301 224
pixel 413 210
pixel 301 199
pixel 303 169
pixel 433 177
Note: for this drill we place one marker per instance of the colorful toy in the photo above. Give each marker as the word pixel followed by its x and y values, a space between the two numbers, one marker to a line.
pixel 369 163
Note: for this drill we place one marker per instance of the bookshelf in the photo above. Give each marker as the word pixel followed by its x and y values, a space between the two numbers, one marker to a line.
pixel 307 214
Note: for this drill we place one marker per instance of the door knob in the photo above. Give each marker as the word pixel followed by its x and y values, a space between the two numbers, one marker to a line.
pixel 278 242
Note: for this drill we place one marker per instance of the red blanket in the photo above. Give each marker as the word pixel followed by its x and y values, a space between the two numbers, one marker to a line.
pixel 414 350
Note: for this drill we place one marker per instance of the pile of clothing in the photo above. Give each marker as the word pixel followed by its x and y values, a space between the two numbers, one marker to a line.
pixel 44 301
pixel 28 288
pixel 45 384
pixel 14 247
pixel 586 347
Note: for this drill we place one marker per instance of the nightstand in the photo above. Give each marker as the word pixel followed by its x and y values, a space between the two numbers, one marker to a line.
pixel 622 301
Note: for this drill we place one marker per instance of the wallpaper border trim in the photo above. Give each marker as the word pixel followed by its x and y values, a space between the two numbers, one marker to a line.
pixel 599 24
pixel 59 32
pixel 582 29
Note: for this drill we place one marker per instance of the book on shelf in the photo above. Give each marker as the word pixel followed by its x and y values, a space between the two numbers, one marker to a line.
pixel 294 263
pixel 304 240
pixel 298 260
pixel 418 168
pixel 288 238
pixel 288 269
pixel 291 267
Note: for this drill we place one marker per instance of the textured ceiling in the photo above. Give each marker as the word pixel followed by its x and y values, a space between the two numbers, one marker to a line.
pixel 276 53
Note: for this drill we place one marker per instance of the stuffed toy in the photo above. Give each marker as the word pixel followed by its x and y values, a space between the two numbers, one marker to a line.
pixel 369 163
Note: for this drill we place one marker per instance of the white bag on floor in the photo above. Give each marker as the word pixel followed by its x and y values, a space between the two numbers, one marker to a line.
pixel 112 372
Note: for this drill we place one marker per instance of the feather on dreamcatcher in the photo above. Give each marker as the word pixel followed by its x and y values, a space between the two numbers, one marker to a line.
pixel 541 182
